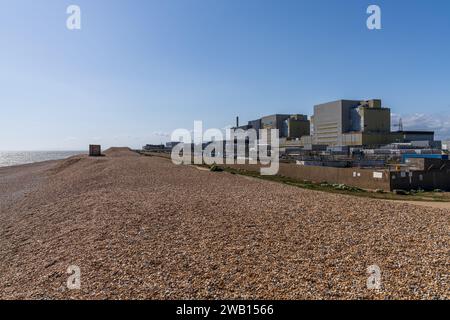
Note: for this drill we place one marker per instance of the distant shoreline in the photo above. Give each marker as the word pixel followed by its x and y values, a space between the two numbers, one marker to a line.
pixel 19 158
pixel 27 165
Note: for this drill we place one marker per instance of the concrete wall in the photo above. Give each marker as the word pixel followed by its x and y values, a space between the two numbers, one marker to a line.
pixel 362 178
pixel 369 179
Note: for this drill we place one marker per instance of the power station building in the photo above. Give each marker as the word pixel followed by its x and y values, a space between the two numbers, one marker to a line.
pixel 342 123
pixel 350 122
pixel 290 126
pixel 356 123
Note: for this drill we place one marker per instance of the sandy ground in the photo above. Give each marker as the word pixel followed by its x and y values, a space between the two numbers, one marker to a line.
pixel 143 228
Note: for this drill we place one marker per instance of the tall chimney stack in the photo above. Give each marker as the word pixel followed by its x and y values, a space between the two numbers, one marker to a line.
pixel 237 122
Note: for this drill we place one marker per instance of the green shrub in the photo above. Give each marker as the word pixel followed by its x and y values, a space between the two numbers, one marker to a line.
pixel 401 192
pixel 215 168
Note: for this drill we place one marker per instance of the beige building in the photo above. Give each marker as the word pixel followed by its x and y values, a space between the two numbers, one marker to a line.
pixel 351 123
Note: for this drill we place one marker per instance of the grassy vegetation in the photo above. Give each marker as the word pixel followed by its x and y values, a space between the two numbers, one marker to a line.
pixel 348 190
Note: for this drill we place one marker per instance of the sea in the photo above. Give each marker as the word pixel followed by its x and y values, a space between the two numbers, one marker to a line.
pixel 14 158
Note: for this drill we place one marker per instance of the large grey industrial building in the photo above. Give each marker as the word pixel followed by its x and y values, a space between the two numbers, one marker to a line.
pixel 349 122
pixel 290 126
pixel 356 123
pixel 363 123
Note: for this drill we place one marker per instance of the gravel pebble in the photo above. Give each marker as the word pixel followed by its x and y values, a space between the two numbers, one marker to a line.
pixel 142 228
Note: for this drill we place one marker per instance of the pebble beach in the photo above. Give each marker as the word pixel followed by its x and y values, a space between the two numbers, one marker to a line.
pixel 143 228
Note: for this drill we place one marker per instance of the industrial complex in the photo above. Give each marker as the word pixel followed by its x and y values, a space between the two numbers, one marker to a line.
pixel 342 123
pixel 351 142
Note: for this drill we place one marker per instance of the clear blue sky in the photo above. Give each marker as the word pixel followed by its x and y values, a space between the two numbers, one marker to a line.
pixel 139 69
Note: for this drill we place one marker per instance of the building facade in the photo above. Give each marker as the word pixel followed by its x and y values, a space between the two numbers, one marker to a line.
pixel 351 122
pixel 357 123
pixel 289 126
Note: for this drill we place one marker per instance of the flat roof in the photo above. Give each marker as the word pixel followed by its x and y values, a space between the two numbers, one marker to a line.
pixel 416 132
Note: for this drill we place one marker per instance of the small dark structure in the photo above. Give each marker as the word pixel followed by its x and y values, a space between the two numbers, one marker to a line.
pixel 95 150
pixel 151 147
